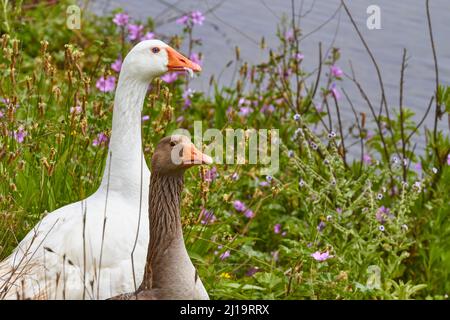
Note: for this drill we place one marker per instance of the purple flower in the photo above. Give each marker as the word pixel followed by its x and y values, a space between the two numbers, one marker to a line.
pixel 187 95
pixel 318 256
pixel 197 17
pixel 367 159
pixel 383 214
pixel 225 255
pixel 249 214
pixel 339 210
pixel 170 77
pixel 289 35
pixel 76 110
pixel 268 108
pixel 182 20
pixel 243 101
pixel 277 228
pixel 148 36
pixel 252 271
pixel 195 57
pixel 369 135
pixel 106 84
pixel 1 114
pixel 145 118
pixel 239 206
pixel 180 119
pixel 448 160
pixel 134 31
pixel 418 167
pixel 299 56
pixel 121 19
pixel 321 226
pixel 117 65
pixel 100 140
pixel 207 217
pixel 335 91
pixel 264 184
pixel 245 111
pixel 20 134
pixel 275 255
pixel 285 73
pixel 211 174
pixel 235 176
pixel 336 71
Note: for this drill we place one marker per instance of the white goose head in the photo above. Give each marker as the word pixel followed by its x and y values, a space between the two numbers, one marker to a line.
pixel 153 58
pixel 147 60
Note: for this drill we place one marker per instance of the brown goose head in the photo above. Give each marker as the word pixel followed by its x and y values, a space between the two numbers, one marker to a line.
pixel 174 154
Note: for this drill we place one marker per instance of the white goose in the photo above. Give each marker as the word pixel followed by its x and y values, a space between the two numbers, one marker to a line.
pixel 96 248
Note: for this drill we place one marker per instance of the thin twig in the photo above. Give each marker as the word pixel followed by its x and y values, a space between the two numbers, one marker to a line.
pixel 380 78
pixel 402 117
pixel 436 71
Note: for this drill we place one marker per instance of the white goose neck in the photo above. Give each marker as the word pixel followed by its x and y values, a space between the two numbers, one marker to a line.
pixel 125 156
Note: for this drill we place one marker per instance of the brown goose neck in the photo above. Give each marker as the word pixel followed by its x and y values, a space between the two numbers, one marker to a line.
pixel 164 218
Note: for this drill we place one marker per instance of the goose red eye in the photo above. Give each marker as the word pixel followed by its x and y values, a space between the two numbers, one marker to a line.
pixel 155 50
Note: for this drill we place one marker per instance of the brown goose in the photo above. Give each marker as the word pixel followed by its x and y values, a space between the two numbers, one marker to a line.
pixel 169 272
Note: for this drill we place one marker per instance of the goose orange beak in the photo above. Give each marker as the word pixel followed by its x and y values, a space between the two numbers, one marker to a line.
pixel 178 62
pixel 192 156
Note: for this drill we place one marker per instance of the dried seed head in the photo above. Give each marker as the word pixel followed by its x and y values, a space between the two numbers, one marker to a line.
pixel 44 46
pixel 7 53
pixel 263 43
pixel 84 126
pixel 59 138
pixel 15 43
pixel 167 113
pixel 57 92
pixel 13 187
pixel 5 40
pixel 239 86
pixel 52 153
pixel 41 108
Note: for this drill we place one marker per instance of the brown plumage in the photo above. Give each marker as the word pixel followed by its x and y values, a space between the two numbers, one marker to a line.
pixel 169 273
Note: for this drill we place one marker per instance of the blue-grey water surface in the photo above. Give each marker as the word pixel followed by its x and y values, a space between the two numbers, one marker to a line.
pixel 242 23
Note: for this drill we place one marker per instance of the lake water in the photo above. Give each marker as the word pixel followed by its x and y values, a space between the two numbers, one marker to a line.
pixel 237 22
